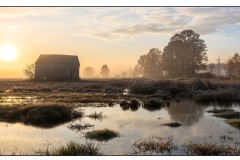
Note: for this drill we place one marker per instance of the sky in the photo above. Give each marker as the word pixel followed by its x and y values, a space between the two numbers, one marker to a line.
pixel 115 36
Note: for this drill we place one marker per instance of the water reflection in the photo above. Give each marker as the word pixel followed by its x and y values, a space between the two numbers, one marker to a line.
pixel 187 113
pixel 152 105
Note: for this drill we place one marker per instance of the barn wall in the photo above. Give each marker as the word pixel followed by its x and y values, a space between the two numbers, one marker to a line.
pixel 53 72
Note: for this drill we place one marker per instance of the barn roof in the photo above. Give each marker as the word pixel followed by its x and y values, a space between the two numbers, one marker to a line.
pixel 56 58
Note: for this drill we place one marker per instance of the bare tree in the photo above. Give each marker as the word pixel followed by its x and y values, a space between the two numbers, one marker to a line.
pixel 29 71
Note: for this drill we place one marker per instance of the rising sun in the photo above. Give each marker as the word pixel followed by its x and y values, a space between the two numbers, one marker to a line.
pixel 8 53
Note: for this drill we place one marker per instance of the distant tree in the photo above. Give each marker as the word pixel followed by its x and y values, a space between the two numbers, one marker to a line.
pixel 124 74
pixel 138 69
pixel 88 72
pixel 152 64
pixel 105 71
pixel 233 66
pixel 29 71
pixel 149 65
pixel 211 68
pixel 185 55
pixel 218 66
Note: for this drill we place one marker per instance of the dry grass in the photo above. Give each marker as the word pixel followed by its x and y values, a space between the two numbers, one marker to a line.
pixel 73 149
pixel 208 149
pixel 80 127
pixel 102 135
pixel 154 145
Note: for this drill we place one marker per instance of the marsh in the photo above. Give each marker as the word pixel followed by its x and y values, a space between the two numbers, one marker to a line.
pixel 98 110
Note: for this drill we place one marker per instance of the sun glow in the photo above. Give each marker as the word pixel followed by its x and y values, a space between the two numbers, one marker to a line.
pixel 8 53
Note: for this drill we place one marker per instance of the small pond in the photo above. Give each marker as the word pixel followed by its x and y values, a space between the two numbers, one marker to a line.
pixel 132 124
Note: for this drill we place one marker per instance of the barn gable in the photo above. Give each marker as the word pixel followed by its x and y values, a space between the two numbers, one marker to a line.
pixel 57 67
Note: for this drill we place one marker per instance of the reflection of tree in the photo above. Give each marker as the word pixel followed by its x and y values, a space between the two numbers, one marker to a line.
pixel 187 113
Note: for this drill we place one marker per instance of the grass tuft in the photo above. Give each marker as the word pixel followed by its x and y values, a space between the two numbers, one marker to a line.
pixel 228 115
pixel 154 144
pixel 220 110
pixel 172 124
pixel 208 149
pixel 80 127
pixel 234 122
pixel 96 116
pixel 73 149
pixel 102 135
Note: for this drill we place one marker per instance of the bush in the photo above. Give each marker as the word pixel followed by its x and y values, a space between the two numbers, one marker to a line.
pixel 143 89
pixel 134 105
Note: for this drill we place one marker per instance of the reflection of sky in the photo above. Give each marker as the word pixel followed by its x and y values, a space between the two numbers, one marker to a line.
pixel 131 126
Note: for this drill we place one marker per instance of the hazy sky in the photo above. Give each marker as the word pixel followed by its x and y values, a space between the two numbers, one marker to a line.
pixel 115 36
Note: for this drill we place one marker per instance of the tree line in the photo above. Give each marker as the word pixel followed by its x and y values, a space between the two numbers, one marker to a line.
pixel 184 56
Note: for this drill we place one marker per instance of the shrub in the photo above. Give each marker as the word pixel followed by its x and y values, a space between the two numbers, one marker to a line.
pixel 134 105
pixel 143 89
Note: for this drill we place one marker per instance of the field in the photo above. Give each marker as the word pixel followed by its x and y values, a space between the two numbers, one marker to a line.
pixel 120 117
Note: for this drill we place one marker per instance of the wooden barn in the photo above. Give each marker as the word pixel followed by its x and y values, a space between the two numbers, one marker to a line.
pixel 52 67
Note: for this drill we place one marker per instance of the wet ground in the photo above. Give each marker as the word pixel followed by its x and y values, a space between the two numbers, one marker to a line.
pixel 132 123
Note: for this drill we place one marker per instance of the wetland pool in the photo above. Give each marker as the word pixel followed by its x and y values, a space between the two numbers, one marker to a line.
pixel 132 124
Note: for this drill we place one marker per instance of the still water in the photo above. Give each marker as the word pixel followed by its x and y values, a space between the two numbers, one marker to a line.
pixel 198 126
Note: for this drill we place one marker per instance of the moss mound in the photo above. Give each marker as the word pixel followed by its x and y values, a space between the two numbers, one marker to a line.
pixel 45 116
pixel 102 135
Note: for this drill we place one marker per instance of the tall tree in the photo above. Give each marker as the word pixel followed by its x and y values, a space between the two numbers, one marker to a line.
pixel 233 66
pixel 184 55
pixel 149 65
pixel 105 71
pixel 152 64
